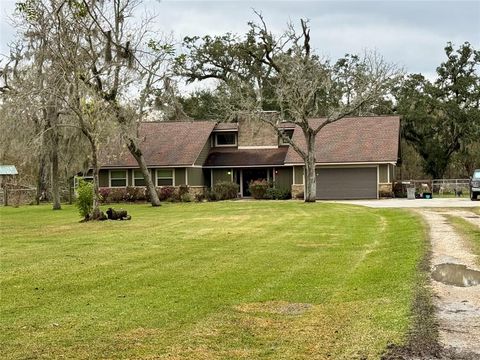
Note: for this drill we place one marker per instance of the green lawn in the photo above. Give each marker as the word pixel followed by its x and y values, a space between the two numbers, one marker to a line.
pixel 470 231
pixel 256 279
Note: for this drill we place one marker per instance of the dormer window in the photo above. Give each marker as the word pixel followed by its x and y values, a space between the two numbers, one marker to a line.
pixel 225 139
pixel 281 141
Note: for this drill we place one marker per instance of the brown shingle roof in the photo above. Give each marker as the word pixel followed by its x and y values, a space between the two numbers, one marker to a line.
pixel 246 157
pixel 359 139
pixel 166 144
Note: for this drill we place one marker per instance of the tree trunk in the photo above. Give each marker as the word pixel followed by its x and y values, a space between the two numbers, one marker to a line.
pixel 55 173
pixel 51 115
pixel 41 181
pixel 96 213
pixel 138 155
pixel 310 174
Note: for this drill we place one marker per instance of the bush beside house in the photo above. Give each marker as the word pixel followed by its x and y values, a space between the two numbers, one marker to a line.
pixel 263 189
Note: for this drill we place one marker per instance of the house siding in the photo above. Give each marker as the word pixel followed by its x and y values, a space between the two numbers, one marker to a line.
pixel 179 176
pixel 383 173
pixel 298 175
pixel 103 178
pixel 195 177
pixel 130 177
pixel 284 178
pixel 392 172
pixel 221 175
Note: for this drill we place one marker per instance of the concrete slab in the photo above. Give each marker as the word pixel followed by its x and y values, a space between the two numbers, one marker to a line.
pixel 416 203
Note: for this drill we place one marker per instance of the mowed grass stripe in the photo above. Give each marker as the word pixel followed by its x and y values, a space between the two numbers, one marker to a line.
pixel 170 282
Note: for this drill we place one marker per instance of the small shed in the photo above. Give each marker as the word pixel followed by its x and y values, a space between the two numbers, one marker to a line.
pixel 6 171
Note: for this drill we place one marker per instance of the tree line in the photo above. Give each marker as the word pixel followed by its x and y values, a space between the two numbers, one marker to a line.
pixel 83 74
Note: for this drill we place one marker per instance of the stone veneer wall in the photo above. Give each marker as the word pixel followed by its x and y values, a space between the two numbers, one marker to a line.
pixel 296 190
pixel 385 190
pixel 197 190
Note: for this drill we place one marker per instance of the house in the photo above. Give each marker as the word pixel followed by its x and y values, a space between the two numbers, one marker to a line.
pixel 356 157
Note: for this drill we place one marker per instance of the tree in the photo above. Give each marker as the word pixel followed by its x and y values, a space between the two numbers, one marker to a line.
pixel 30 89
pixel 442 118
pixel 123 61
pixel 266 70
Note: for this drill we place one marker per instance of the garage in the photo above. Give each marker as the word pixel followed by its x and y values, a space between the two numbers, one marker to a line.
pixel 347 183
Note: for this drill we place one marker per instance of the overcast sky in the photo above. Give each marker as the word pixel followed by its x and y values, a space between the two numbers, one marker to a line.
pixel 409 33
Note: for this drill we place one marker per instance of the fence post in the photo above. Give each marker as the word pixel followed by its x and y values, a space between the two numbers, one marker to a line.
pixel 5 195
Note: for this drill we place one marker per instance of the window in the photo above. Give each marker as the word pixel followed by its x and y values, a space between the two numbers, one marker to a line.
pixel 164 177
pixel 289 134
pixel 225 139
pixel 138 179
pixel 118 178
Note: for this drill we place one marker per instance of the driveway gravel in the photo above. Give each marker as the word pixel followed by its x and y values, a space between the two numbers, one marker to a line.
pixel 416 203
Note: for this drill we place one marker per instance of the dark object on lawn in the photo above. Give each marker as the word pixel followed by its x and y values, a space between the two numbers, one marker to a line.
pixel 113 214
pixel 458 193
pixel 100 216
pixel 427 195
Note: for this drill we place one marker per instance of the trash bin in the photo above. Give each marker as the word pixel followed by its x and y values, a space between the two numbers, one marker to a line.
pixel 411 193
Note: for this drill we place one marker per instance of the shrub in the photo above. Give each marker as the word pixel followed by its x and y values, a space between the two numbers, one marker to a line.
pixel 258 188
pixel 167 193
pixel 199 197
pixel 104 194
pixel 134 194
pixel 186 197
pixel 224 190
pixel 182 190
pixel 117 195
pixel 84 201
pixel 211 195
pixel 278 193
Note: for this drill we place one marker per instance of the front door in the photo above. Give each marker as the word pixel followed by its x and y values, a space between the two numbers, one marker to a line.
pixel 250 175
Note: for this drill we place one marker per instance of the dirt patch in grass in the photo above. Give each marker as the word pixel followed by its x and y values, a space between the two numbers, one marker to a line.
pixel 275 307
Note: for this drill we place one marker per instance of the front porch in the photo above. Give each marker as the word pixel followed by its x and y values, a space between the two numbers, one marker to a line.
pixel 281 177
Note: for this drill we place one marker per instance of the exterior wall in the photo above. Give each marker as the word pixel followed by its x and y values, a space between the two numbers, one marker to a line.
pixel 385 190
pixel 284 177
pixel 221 175
pixel 179 177
pixel 393 172
pixel 197 190
pixel 298 171
pixel 256 133
pixel 103 178
pixel 383 173
pixel 195 177
pixel 204 153
pixel 297 189
pixel 130 177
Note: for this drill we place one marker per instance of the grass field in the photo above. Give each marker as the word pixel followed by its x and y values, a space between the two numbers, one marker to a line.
pixel 274 280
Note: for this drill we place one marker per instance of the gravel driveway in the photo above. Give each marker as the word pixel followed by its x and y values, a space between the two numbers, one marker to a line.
pixel 417 203
pixel 458 308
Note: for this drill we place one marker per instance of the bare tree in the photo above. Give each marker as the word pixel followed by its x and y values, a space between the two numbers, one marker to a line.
pixel 124 60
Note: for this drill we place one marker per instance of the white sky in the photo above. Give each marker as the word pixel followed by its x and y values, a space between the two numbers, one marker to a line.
pixel 409 33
